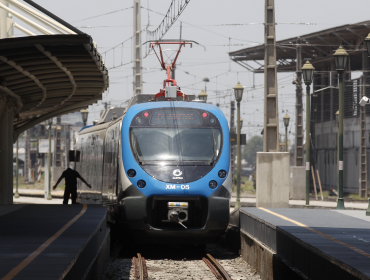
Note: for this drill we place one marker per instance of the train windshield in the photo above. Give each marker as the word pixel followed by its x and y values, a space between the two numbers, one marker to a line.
pixel 161 144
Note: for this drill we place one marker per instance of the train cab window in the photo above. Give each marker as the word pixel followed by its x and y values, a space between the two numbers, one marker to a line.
pixel 175 144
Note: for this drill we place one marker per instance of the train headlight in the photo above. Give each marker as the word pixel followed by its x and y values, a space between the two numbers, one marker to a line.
pixel 213 184
pixel 222 174
pixel 131 173
pixel 139 120
pixel 141 184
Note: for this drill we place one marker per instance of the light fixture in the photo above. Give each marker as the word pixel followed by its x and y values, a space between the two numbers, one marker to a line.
pixel 337 116
pixel 84 114
pixel 203 96
pixel 238 91
pixel 341 58
pixel 307 71
pixel 286 119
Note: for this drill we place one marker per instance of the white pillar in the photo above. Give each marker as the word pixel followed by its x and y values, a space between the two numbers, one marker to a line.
pixel 6 22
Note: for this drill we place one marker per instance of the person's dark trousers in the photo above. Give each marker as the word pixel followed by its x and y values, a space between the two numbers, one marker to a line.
pixel 70 191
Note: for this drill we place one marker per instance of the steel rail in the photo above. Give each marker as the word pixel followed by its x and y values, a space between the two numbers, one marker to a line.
pixel 140 268
pixel 216 268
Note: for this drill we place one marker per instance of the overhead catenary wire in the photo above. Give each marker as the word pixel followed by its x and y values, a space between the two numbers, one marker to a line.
pixel 109 13
pixel 197 26
pixel 169 19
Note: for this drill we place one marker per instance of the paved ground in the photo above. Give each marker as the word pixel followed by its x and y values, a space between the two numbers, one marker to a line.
pixel 36 200
pixel 251 202
pixel 39 193
pixel 36 197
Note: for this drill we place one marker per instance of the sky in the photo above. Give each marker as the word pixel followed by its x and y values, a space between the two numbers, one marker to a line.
pixel 212 24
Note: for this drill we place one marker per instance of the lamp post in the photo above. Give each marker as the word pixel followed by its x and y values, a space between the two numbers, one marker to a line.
pixel 203 96
pixel 50 122
pixel 286 120
pixel 307 71
pixel 367 40
pixel 84 114
pixel 16 195
pixel 238 90
pixel 337 121
pixel 205 80
pixel 341 58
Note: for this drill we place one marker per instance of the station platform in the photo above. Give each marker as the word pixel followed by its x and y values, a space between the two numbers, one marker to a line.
pixel 313 243
pixel 53 241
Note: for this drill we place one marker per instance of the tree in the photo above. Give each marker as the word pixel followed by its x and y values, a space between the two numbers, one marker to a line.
pixel 254 145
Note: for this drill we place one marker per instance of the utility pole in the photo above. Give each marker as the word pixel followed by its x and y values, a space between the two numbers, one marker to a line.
pixel 271 121
pixel 137 67
pixel 363 156
pixel 232 130
pixel 298 152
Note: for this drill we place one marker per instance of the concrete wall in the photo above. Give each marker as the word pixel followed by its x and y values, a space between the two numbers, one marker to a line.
pixel 272 180
pixel 326 153
pixel 297 182
pixel 269 265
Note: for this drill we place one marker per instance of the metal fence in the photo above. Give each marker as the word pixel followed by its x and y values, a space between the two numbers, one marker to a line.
pixel 324 133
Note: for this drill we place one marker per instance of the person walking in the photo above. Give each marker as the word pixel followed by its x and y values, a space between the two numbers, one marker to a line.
pixel 70 177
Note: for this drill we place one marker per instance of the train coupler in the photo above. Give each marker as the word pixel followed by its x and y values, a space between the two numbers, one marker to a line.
pixel 177 212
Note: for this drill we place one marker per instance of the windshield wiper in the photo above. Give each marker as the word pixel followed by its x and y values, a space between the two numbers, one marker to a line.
pixel 214 149
pixel 135 151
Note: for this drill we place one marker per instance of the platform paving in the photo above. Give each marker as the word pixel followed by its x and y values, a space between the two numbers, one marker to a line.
pixel 251 202
pixel 319 243
pixel 50 241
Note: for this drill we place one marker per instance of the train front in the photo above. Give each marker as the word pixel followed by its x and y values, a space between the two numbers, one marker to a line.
pixel 176 156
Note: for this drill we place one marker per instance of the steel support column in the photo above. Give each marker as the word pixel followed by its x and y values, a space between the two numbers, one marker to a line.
pixel 232 130
pixel 6 150
pixel 340 202
pixel 271 121
pixel 137 63
pixel 363 156
pixel 308 130
pixel 363 184
pixel 298 151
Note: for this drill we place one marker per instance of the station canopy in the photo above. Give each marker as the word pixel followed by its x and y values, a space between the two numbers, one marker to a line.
pixel 319 47
pixel 50 76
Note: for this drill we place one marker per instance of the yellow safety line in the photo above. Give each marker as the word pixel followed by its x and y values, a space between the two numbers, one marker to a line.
pixel 39 250
pixel 318 232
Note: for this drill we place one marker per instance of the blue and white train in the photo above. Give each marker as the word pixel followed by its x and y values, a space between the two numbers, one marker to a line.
pixel 162 169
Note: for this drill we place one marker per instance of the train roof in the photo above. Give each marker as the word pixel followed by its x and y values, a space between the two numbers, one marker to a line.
pixel 106 118
pixel 145 98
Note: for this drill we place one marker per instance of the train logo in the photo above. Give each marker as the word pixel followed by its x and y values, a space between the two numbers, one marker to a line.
pixel 177 173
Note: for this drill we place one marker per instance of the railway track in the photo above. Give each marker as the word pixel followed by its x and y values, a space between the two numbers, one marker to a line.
pixel 216 268
pixel 179 263
pixel 141 270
